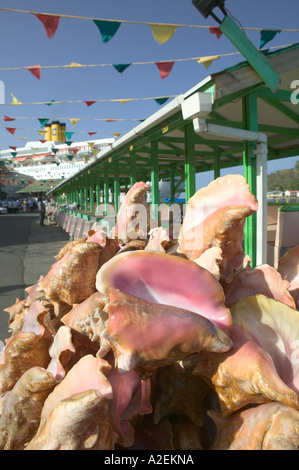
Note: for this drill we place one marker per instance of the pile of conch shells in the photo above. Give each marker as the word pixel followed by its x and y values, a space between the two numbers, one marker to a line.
pixel 149 342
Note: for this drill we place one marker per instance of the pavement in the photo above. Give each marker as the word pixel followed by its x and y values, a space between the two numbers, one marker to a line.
pixel 27 251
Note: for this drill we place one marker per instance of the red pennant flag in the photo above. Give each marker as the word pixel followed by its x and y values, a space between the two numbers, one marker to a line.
pixel 215 30
pixel 6 118
pixel 164 68
pixel 50 23
pixel 35 71
pixel 14 148
pixel 12 130
pixel 110 120
pixel 89 103
pixel 42 141
pixel 91 133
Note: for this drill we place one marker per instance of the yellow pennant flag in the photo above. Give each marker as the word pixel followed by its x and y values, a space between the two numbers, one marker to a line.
pixel 117 134
pixel 208 60
pixel 75 64
pixel 41 132
pixel 162 33
pixel 125 101
pixel 74 121
pixel 15 100
pixel 95 151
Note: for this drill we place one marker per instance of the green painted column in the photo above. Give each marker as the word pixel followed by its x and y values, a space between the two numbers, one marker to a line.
pixel 106 188
pixel 250 122
pixel 155 180
pixel 190 183
pixel 98 194
pixel 172 181
pixel 85 201
pixel 216 163
pixel 116 189
pixel 133 178
pixel 81 199
pixel 91 198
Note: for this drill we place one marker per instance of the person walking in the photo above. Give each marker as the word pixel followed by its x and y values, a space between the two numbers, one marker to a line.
pixel 42 211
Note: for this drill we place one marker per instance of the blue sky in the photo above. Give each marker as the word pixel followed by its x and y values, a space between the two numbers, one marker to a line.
pixel 24 43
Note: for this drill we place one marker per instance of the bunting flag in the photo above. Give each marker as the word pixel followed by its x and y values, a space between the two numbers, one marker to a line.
pixel 116 134
pixel 121 67
pixel 161 100
pixel 12 130
pixel 15 100
pixel 70 157
pixel 68 135
pixel 68 142
pixel 50 23
pixel 89 103
pixel 267 36
pixel 14 148
pixel 91 133
pixel 207 61
pixel 13 154
pixel 164 68
pixel 215 30
pixel 162 33
pixel 40 132
pixel 125 101
pixel 43 121
pixel 75 64
pixel 110 120
pixel 35 70
pixel 54 151
pixel 107 29
pixel 6 118
pixel 50 103
pixel 74 121
pixel 43 141
pixel 90 144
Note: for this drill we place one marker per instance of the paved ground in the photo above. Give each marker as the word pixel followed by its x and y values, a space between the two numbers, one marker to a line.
pixel 27 251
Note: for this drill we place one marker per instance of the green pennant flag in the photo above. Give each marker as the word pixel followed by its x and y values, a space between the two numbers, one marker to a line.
pixel 68 142
pixel 161 100
pixel 68 135
pixel 13 154
pixel 57 163
pixel 121 67
pixel 267 36
pixel 43 121
pixel 55 151
pixel 107 28
pixel 51 102
pixel 70 157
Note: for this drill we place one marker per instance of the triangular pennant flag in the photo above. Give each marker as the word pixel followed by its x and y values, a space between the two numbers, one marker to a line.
pixel 90 144
pixel 208 60
pixel 121 67
pixel 162 33
pixel 89 103
pixel 68 142
pixel 35 71
pixel 75 64
pixel 12 130
pixel 50 23
pixel 50 103
pixel 215 30
pixel 125 100
pixel 74 121
pixel 68 135
pixel 107 28
pixel 54 150
pixel 267 36
pixel 117 134
pixel 164 68
pixel 91 133
pixel 15 100
pixel 13 154
pixel 86 158
pixel 161 100
pixel 70 157
pixel 43 121
pixel 14 148
pixel 43 141
pixel 6 118
pixel 110 120
pixel 95 151
pixel 40 132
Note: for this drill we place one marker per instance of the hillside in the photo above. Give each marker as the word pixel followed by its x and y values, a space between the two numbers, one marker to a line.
pixel 284 179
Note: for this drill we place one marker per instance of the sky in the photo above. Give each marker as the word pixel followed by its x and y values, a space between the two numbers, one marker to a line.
pixel 24 43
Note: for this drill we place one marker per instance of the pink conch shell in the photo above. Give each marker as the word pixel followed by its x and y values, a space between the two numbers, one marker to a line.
pixel 211 260
pixel 271 426
pixel 158 239
pixel 165 279
pixel 83 317
pixel 22 408
pixel 144 333
pixel 262 280
pixel 274 327
pixel 80 422
pixel 132 220
pixel 288 267
pixel 72 278
pixel 26 349
pixel 61 351
pixel 215 216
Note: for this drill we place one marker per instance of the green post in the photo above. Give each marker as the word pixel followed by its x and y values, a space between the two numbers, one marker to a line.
pixel 216 163
pixel 116 188
pixel 91 199
pixel 81 199
pixel 133 178
pixel 106 189
pixel 98 195
pixel 250 122
pixel 190 184
pixel 172 181
pixel 155 180
pixel 85 196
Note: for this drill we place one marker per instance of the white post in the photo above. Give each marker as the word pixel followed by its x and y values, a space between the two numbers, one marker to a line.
pixel 261 194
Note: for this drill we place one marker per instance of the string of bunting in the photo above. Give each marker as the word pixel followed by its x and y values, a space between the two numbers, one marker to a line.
pixel 164 66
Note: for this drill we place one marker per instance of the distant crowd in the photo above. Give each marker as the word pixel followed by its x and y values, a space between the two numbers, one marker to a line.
pixel 12 206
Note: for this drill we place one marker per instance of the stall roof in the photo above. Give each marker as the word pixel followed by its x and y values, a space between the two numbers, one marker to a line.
pixel 278 118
